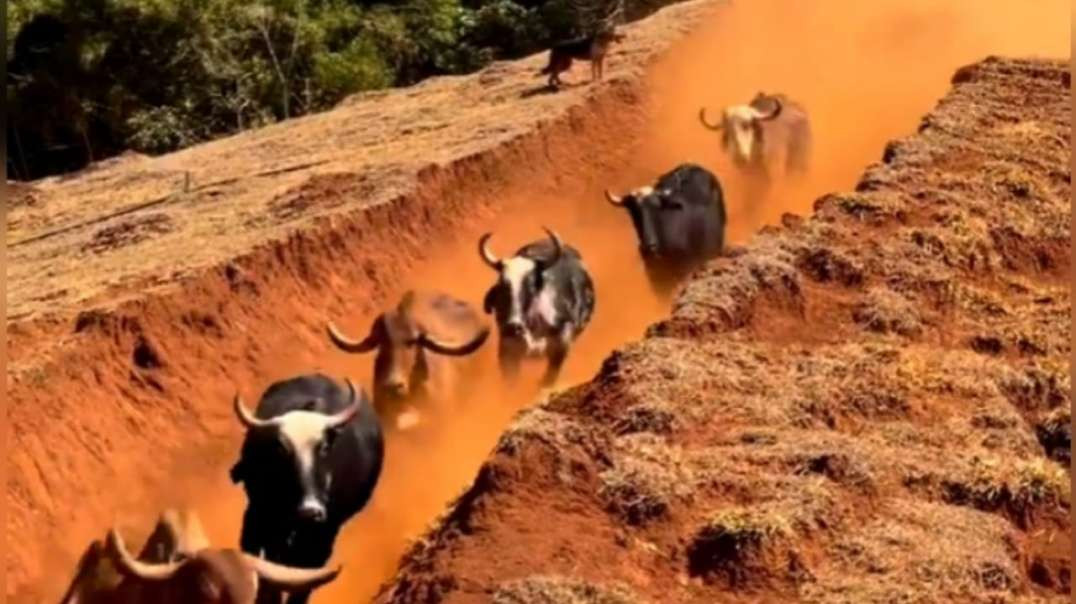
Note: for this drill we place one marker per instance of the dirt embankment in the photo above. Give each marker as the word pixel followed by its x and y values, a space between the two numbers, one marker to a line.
pixel 868 405
pixel 140 301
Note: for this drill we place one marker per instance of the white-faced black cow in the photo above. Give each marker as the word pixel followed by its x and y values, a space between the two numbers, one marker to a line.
pixel 415 342
pixel 178 566
pixel 761 135
pixel 543 299
pixel 679 222
pixel 311 458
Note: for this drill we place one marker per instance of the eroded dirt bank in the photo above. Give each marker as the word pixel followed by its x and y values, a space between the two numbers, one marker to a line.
pixel 868 405
pixel 134 316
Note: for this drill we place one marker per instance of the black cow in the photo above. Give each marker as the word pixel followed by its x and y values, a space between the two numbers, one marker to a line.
pixel 311 458
pixel 543 300
pixel 679 222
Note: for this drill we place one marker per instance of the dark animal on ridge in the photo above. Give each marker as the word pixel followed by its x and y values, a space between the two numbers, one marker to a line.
pixel 593 48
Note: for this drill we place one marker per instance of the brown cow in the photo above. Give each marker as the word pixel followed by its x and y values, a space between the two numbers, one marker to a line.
pixel 762 135
pixel 414 342
pixel 177 565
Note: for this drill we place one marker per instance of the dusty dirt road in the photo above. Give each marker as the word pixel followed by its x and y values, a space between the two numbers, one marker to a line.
pixel 120 410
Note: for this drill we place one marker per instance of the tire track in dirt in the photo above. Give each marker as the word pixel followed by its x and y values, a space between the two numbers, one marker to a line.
pixel 262 317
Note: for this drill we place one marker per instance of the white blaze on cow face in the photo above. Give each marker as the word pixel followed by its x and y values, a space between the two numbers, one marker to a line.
pixel 533 311
pixel 740 130
pixel 305 432
pixel 514 274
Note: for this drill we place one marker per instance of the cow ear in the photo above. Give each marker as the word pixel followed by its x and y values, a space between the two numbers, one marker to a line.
pixel 487 303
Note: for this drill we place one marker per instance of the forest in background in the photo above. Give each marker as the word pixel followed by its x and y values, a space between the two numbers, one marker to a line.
pixel 89 79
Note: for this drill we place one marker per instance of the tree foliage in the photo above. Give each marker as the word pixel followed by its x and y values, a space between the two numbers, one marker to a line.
pixel 88 79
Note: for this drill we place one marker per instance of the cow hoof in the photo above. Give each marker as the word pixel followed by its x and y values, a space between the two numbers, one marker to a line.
pixel 407 420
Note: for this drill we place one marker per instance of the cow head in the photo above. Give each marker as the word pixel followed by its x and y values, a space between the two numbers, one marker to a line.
pixel 400 342
pixel 520 280
pixel 177 535
pixel 294 450
pixel 647 207
pixel 209 576
pixel 741 129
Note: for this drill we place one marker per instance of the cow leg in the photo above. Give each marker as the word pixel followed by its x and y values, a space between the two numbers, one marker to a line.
pixel 510 357
pixel 797 157
pixel 556 355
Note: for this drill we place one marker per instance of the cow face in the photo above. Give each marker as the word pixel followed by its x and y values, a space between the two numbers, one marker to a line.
pixel 207 576
pixel 520 292
pixel 741 129
pixel 290 455
pixel 648 208
pixel 400 365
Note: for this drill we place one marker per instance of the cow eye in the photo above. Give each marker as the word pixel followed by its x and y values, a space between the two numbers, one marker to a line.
pixel 671 204
pixel 328 440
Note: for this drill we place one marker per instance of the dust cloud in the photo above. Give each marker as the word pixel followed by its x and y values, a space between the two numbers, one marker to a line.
pixel 865 71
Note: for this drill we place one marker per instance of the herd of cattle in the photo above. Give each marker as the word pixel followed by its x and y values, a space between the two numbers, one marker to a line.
pixel 314 448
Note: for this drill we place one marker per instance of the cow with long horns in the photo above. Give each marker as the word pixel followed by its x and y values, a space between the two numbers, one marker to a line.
pixel 762 135
pixel 679 222
pixel 179 566
pixel 543 299
pixel 312 455
pixel 419 344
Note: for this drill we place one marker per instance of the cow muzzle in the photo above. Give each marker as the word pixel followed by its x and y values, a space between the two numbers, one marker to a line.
pixel 312 510
pixel 397 387
pixel 514 329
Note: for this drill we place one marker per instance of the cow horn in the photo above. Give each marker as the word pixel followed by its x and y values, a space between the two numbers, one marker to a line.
pixel 483 250
pixel 290 578
pixel 773 114
pixel 246 417
pixel 613 199
pixel 431 343
pixel 130 567
pixel 347 344
pixel 558 248
pixel 354 404
pixel 702 118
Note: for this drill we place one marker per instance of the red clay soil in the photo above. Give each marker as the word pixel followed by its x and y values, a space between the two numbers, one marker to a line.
pixel 857 408
pixel 139 302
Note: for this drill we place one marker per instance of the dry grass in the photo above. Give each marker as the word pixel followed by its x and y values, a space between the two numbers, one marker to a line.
pixel 1020 488
pixel 742 544
pixel 885 311
pixel 562 590
pixel 647 477
pixel 1055 434
pixel 917 552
